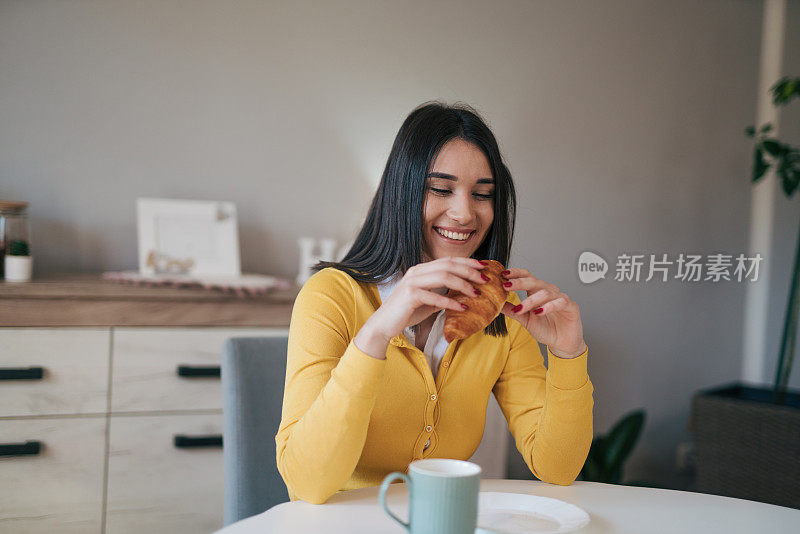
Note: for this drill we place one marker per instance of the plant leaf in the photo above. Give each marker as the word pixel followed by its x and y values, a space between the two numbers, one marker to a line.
pixel 621 440
pixel 789 179
pixel 593 467
pixel 598 450
pixel 773 147
pixel 750 131
pixel 591 472
pixel 766 128
pixel 784 90
pixel 759 165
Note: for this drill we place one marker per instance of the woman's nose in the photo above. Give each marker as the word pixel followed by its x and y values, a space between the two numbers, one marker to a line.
pixel 460 209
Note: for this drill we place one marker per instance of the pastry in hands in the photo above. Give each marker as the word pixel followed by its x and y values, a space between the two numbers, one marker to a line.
pixel 481 309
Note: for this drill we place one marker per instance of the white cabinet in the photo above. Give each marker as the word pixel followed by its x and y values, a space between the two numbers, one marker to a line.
pixel 53 400
pixel 60 489
pixel 154 486
pixel 146 361
pixel 74 366
pixel 106 411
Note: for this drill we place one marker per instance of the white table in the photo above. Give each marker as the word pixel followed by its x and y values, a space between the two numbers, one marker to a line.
pixel 623 509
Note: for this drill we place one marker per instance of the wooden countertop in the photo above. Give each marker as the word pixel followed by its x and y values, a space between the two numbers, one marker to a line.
pixel 88 300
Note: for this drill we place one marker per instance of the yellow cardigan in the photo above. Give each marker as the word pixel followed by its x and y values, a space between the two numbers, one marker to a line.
pixel 349 419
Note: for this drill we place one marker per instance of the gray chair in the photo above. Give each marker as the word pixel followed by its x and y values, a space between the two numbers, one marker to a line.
pixel 253 374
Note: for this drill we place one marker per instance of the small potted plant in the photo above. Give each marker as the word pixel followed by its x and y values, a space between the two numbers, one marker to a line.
pixel 18 262
pixel 608 452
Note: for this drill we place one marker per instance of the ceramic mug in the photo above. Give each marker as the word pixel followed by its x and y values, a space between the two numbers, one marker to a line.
pixel 442 495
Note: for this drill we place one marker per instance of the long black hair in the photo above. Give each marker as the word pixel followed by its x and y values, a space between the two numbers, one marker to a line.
pixel 391 238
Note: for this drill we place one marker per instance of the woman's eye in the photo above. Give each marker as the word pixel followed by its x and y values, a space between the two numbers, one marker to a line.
pixel 444 192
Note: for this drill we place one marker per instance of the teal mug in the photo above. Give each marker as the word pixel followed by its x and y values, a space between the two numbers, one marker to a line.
pixel 442 496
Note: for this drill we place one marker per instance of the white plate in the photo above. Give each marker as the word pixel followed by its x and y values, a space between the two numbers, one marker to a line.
pixel 516 513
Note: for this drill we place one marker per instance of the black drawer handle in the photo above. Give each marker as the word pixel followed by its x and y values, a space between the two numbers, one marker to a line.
pixel 22 373
pixel 20 449
pixel 187 442
pixel 193 371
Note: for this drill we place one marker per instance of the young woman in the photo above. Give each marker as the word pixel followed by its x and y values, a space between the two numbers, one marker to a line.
pixel 371 383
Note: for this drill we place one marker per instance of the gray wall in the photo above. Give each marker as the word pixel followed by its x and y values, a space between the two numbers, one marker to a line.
pixel 621 122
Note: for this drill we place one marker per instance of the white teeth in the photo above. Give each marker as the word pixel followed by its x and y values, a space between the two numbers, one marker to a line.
pixel 453 235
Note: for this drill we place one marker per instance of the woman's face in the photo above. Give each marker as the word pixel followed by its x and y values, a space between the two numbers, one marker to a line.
pixel 458 201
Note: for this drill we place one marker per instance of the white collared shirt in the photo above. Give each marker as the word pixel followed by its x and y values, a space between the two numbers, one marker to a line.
pixel 436 345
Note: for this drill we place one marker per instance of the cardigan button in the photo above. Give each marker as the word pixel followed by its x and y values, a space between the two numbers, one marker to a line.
pixel 446 364
pixel 433 397
pixel 428 428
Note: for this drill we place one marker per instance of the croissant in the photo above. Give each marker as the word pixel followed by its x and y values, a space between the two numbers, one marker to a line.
pixel 481 309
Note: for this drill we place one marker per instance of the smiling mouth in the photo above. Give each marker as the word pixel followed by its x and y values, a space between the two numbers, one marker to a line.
pixel 453 237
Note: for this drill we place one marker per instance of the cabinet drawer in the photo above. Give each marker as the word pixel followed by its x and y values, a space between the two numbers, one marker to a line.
pixel 154 486
pixel 75 371
pixel 61 488
pixel 145 366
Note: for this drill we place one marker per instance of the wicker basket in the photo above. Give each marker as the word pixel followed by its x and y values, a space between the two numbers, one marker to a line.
pixel 746 446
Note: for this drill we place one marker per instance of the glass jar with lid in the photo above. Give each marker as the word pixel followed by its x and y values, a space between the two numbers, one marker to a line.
pixel 14 231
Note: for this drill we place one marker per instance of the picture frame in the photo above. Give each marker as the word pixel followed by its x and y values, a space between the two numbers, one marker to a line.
pixel 187 237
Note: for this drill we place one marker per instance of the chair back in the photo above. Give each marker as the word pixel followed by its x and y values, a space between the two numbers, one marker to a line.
pixel 253 375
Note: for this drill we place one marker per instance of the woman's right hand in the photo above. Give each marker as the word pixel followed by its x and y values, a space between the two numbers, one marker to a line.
pixel 413 299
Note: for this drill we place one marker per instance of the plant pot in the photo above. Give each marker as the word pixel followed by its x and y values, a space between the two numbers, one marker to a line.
pixel 18 268
pixel 746 445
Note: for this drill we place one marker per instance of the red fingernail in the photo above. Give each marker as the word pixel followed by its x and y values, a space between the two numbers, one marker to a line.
pixel 482 262
pixel 537 311
pixel 484 277
pixel 464 306
pixel 476 291
pixel 517 308
pixel 505 273
pixel 507 284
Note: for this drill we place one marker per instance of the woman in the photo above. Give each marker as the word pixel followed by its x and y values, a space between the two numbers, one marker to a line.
pixel 372 385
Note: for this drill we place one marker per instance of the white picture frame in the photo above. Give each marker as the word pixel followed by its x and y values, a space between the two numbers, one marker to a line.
pixel 187 237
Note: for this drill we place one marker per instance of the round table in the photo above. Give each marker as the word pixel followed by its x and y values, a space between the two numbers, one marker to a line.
pixel 623 509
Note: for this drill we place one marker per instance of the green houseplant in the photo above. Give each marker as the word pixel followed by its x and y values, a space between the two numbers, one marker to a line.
pixel 608 452
pixel 19 248
pixel 771 152
pixel 746 438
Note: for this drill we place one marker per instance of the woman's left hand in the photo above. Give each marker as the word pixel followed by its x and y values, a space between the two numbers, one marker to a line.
pixel 558 321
